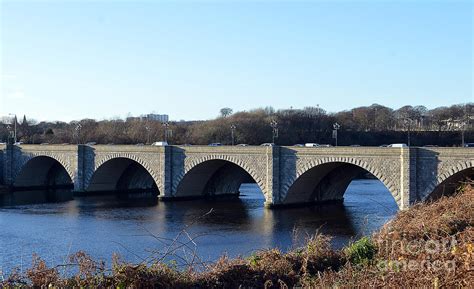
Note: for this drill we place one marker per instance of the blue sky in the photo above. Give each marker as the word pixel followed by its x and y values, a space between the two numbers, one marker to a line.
pixel 65 60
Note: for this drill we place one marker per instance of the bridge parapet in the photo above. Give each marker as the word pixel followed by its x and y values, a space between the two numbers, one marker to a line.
pixel 410 174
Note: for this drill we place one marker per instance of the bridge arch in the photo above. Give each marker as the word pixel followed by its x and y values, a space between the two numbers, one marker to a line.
pixel 98 162
pixel 42 179
pixel 121 174
pixel 327 179
pixel 216 175
pixel 25 159
pixel 447 182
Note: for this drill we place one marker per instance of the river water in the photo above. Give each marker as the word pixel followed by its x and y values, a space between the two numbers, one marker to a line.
pixel 102 225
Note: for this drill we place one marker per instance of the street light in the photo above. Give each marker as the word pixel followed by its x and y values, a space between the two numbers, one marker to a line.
pixel 408 124
pixel 147 128
pixel 10 133
pixel 464 124
pixel 15 120
pixel 336 127
pixel 167 130
pixel 274 126
pixel 77 132
pixel 232 129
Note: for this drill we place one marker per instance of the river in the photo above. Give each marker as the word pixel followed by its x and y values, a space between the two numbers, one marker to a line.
pixel 103 225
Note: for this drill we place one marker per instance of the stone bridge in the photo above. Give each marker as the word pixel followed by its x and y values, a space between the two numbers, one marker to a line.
pixel 285 175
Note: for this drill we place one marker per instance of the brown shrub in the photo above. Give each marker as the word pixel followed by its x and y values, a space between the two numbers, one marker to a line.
pixel 40 274
pixel 440 233
pixel 429 245
pixel 272 268
pixel 229 273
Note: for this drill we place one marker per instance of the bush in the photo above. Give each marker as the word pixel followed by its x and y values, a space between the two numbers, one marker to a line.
pixel 447 223
pixel 361 252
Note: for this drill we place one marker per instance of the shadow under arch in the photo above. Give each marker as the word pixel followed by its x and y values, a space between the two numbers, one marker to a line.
pixel 123 177
pixel 448 185
pixel 327 182
pixel 42 179
pixel 212 178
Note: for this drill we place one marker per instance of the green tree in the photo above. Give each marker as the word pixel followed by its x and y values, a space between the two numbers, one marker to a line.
pixel 226 111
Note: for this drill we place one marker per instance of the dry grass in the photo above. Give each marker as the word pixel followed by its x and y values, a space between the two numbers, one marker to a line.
pixel 272 268
pixel 429 245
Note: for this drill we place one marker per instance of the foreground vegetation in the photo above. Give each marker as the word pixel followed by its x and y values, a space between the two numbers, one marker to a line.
pixel 429 245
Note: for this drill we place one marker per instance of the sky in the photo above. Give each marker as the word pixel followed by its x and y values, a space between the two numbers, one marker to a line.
pixel 66 60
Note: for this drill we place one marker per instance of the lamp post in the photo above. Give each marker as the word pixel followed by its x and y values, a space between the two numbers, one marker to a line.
pixel 15 120
pixel 232 129
pixel 167 130
pixel 336 127
pixel 77 130
pixel 464 124
pixel 10 134
pixel 147 128
pixel 408 124
pixel 274 125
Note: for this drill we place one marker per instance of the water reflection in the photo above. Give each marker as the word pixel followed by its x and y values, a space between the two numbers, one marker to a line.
pixel 106 224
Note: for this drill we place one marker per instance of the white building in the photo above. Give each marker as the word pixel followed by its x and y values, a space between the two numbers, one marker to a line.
pixel 158 117
pixel 150 116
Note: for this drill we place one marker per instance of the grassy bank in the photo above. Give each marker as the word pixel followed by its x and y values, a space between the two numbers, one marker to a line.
pixel 429 245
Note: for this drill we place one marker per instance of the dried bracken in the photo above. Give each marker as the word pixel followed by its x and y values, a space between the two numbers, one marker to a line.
pixel 429 245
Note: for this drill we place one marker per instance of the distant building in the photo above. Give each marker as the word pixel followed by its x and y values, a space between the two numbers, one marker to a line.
pixel 157 117
pixel 133 118
pixel 459 124
pixel 150 116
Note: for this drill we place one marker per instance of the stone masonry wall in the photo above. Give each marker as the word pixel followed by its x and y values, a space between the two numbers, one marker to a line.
pixel 150 157
pixel 410 174
pixel 255 160
pixel 383 163
pixel 435 165
pixel 18 156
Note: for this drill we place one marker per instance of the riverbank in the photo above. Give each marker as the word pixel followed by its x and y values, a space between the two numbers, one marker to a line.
pixel 427 245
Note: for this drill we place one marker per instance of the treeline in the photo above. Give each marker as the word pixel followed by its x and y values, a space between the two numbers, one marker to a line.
pixel 371 125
